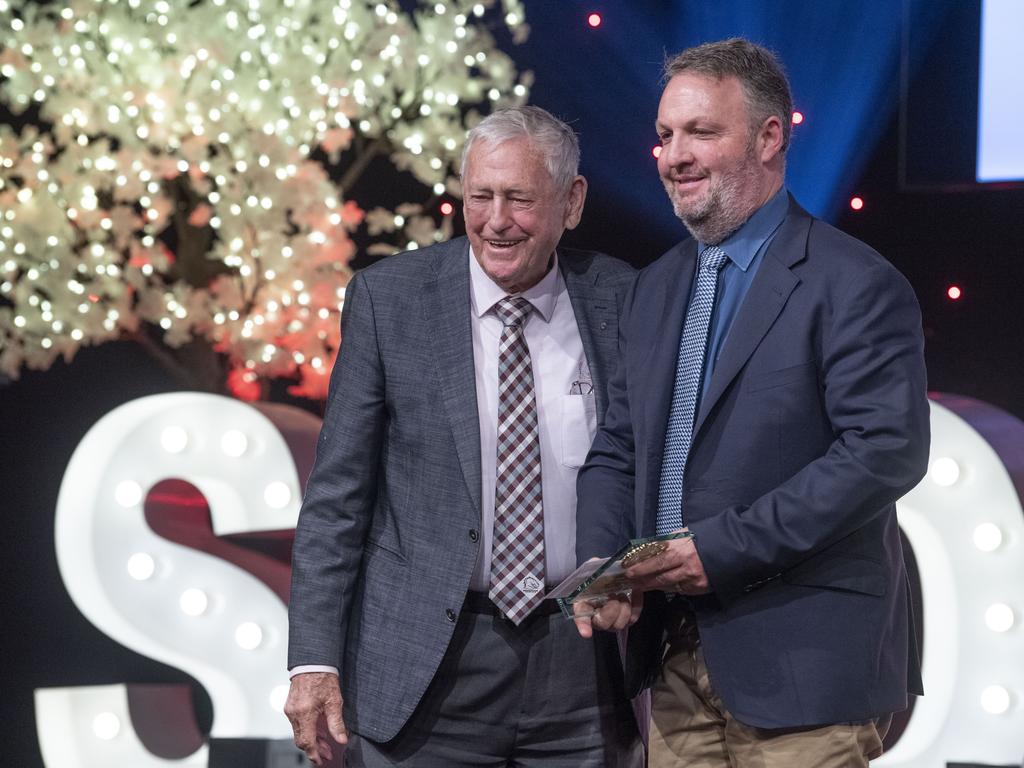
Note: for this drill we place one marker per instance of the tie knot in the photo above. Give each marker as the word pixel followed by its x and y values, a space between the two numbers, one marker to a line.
pixel 712 258
pixel 513 310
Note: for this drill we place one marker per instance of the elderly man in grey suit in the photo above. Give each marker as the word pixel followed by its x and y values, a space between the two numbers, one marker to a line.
pixel 466 394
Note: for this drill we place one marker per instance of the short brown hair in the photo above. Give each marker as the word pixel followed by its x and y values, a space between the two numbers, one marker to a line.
pixel 758 69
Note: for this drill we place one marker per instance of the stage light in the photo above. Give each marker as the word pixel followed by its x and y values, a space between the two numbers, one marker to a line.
pixel 447 208
pixel 128 493
pixel 656 151
pixel 141 566
pixel 277 495
pixel 944 471
pixel 248 635
pixel 594 20
pixel 988 537
pixel 954 292
pixel 999 617
pixel 856 203
pixel 174 439
pixel 106 726
pixel 798 117
pixel 193 602
pixel 188 611
pixel 234 443
pixel 995 700
pixel 964 654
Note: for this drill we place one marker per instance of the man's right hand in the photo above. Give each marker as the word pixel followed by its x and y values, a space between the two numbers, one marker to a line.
pixel 314 709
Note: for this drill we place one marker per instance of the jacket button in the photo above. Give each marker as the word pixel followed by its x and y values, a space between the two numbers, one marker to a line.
pixel 473 535
pixel 604 325
pixel 450 614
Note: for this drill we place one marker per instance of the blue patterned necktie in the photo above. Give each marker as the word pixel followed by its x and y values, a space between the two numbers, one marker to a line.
pixel 517 551
pixel 689 375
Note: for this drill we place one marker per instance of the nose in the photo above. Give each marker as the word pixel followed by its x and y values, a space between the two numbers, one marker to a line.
pixel 498 218
pixel 675 152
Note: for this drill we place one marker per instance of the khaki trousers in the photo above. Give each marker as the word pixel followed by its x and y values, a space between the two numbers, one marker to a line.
pixel 691 727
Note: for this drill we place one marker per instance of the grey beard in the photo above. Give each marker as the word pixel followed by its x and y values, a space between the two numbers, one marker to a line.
pixel 727 208
pixel 714 225
pixel 708 229
pixel 722 214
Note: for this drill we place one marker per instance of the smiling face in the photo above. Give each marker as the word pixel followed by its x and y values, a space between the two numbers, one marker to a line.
pixel 716 167
pixel 515 215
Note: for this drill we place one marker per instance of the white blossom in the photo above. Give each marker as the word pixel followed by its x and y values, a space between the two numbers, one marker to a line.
pixel 186 165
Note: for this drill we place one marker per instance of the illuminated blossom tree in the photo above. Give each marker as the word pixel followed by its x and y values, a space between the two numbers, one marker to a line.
pixel 183 168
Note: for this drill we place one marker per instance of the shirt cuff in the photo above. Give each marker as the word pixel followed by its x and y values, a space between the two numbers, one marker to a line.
pixel 302 669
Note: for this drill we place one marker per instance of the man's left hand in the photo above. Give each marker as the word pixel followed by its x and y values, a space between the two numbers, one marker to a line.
pixel 677 569
pixel 614 614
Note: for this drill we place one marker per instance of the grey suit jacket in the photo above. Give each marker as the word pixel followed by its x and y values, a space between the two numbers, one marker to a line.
pixel 388 533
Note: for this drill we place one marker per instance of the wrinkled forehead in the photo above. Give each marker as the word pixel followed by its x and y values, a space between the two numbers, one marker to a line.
pixel 515 161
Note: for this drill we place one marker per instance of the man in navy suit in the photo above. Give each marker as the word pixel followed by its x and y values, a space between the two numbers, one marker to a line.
pixel 774 407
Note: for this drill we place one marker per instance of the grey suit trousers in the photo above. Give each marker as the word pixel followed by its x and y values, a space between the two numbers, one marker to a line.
pixel 533 695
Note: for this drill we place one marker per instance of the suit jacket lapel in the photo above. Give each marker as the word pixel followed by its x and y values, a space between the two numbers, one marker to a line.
pixel 446 308
pixel 768 294
pixel 596 313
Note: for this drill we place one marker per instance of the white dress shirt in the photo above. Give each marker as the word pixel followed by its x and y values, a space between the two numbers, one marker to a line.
pixel 567 422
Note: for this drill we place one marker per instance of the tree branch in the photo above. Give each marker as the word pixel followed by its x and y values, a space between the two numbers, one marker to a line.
pixel 196 366
pixel 166 360
pixel 362 160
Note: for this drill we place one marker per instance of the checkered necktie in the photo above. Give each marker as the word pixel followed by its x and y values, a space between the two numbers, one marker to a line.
pixel 689 374
pixel 517 552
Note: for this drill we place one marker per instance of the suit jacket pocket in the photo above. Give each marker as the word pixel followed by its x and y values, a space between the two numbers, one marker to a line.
pixel 757 381
pixel 384 546
pixel 579 425
pixel 840 572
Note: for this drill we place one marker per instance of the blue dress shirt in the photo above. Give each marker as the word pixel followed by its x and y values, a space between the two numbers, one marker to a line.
pixel 746 248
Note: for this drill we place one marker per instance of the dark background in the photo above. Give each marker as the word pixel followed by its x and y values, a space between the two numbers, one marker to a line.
pixel 606 82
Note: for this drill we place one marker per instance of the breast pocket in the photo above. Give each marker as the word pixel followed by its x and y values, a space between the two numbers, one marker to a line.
pixel 794 374
pixel 579 425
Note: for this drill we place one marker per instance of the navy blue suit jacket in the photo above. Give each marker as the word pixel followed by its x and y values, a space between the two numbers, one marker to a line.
pixel 814 422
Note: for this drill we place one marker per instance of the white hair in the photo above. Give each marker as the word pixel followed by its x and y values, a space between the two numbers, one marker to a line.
pixel 556 141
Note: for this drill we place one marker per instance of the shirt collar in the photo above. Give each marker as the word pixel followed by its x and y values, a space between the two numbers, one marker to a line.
pixel 485 293
pixel 743 244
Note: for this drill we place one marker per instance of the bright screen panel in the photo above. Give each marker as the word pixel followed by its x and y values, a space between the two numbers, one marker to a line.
pixel 1001 92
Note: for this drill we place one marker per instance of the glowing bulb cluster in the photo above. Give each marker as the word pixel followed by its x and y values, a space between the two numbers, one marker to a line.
pixel 988 537
pixel 217 121
pixel 944 471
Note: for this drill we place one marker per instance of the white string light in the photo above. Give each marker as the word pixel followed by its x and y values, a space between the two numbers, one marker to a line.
pixel 237 117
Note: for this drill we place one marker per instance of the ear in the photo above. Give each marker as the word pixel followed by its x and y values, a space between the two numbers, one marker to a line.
pixel 769 139
pixel 574 206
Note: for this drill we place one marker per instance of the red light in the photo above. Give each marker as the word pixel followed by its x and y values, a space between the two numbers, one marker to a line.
pixel 798 117
pixel 244 385
pixel 594 20
pixel 954 292
pixel 447 208
pixel 656 151
pixel 856 203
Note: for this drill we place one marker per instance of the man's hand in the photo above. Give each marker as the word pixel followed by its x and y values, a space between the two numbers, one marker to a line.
pixel 677 569
pixel 617 612
pixel 314 709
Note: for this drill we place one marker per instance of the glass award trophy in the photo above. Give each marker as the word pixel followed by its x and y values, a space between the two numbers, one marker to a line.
pixel 594 582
